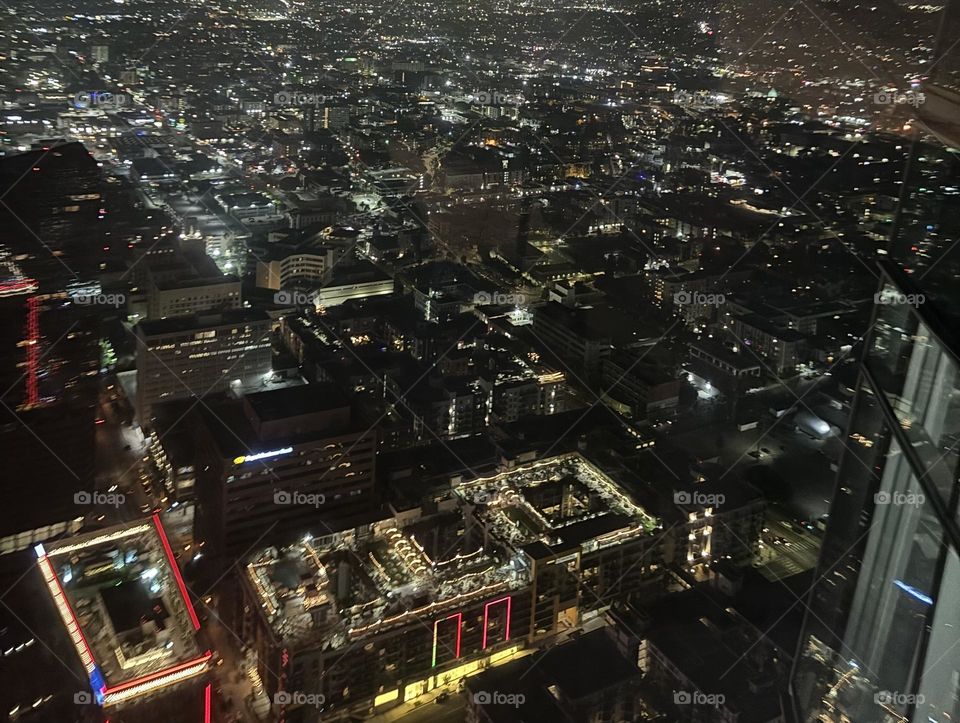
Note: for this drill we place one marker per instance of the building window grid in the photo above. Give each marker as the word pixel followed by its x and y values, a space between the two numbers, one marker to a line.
pixel 945 512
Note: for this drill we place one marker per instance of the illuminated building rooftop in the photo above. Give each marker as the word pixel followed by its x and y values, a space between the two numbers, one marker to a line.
pixel 333 593
pixel 556 503
pixel 126 608
pixel 339 593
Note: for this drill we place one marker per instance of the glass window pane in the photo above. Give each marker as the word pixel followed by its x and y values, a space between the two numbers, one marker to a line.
pixel 920 382
pixel 939 692
pixel 867 673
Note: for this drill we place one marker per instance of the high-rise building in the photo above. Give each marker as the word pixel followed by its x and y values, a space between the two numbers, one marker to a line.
pixel 882 632
pixel 48 402
pixel 881 638
pixel 276 464
pixel 187 356
pixel 19 313
pixel 58 194
pixel 170 280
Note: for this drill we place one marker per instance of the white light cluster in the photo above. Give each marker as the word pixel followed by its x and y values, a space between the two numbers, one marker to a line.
pixel 146 687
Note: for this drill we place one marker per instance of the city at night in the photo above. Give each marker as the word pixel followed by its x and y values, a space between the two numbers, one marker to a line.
pixel 480 361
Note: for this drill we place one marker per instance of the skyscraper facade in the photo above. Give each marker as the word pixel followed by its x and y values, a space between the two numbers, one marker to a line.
pixel 881 641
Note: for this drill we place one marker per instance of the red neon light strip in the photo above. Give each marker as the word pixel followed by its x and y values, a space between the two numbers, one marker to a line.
pixel 459 617
pixel 207 707
pixel 33 350
pixel 436 625
pixel 486 613
pixel 45 563
pixel 160 674
pixel 176 571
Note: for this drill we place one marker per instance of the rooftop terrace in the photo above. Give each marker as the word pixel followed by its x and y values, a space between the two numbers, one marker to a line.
pixel 553 502
pixel 407 568
pixel 126 608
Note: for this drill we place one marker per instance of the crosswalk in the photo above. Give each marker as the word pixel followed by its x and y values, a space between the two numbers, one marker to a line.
pixel 799 557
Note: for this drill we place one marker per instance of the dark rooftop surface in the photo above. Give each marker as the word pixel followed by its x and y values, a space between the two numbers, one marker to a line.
pixel 580 669
pixel 186 322
pixel 296 401
pixel 573 535
pixel 765 325
pixel 719 652
pixel 601 323
pixel 128 604
pixel 234 434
